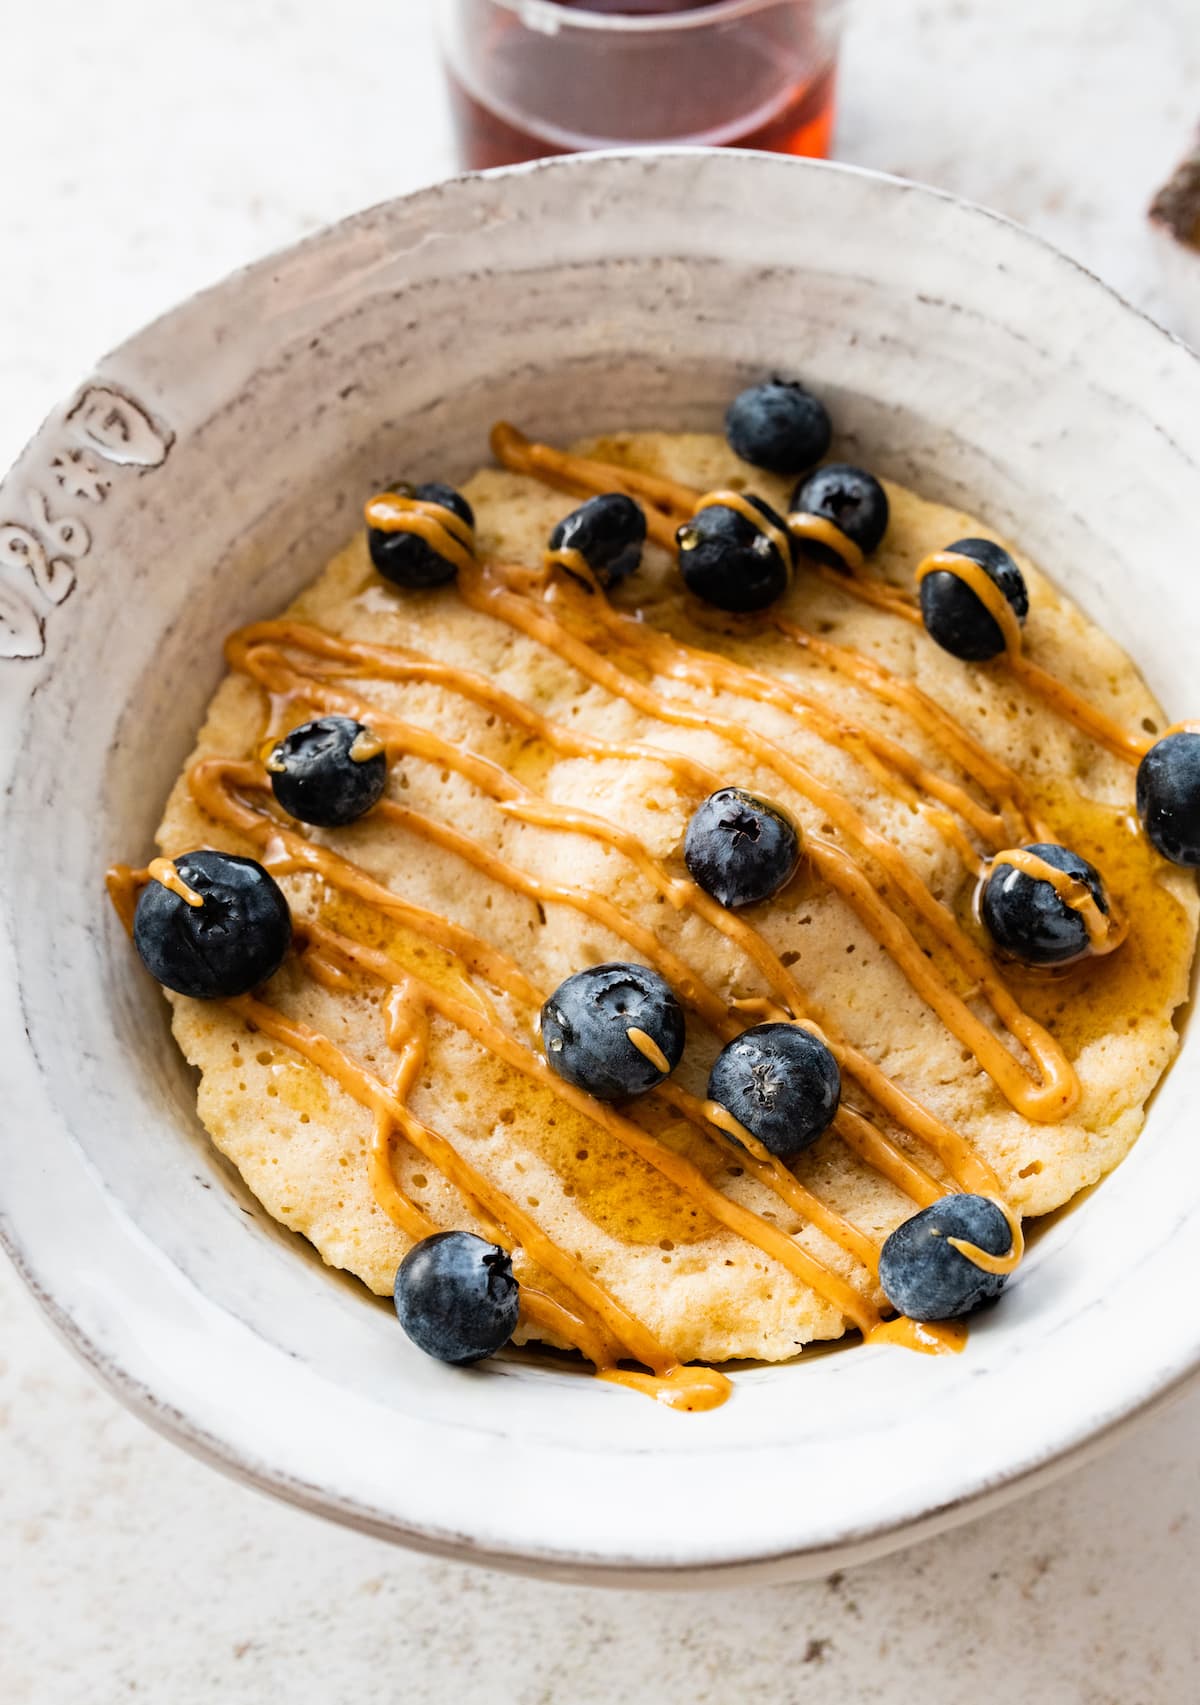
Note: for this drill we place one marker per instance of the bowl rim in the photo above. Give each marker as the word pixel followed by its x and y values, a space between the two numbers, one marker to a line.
pixel 860 1547
pixel 1070 1446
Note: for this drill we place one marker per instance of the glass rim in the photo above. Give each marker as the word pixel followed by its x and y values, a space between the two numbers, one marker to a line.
pixel 549 18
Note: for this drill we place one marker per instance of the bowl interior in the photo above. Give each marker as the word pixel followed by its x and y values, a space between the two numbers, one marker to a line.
pixel 208 470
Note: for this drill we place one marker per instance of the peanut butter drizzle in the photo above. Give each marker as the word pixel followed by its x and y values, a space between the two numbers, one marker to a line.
pixel 880 594
pixel 410 1038
pixel 374 1095
pixel 252 652
pixel 753 1157
pixel 1104 931
pixel 896 768
pixel 681 1171
pixel 878 1151
pixel 1073 707
pixel 592 1338
pixel 741 505
pixel 723 1119
pixel 703 1000
pixel 980 582
pixel 982 1258
pixel 644 941
pixel 365 746
pixel 571 562
pixel 211 780
pixel 712 667
pixel 581 475
pixel 444 531
pixel 819 530
pixel 163 870
pixel 408 1034
pixel 584 475
pixel 859 1134
pixel 649 1048
pixel 930 1337
pixel 1048 1101
pixel 1056 693
pixel 692 1389
pixel 324 971
pixel 667 504
pixel 996 778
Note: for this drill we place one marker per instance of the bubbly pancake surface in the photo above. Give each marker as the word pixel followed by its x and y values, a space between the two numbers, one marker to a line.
pixel 301 1143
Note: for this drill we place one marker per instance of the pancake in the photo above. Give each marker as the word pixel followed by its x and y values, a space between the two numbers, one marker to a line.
pixel 302 1143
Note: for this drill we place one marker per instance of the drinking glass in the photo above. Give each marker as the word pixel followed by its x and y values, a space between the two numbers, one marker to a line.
pixel 534 77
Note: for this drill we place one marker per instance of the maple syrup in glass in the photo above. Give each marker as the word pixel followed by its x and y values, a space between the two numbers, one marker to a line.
pixel 529 78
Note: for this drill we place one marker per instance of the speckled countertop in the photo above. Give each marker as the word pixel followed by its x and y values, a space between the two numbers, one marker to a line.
pixel 150 147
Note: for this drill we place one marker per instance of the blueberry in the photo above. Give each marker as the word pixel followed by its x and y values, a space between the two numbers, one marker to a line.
pixel 226 946
pixel 852 499
pixel 927 1279
pixel 456 1297
pixel 608 532
pixel 781 1082
pixel 779 426
pixel 954 616
pixel 328 772
pixel 408 560
pixel 740 849
pixel 1028 918
pixel 1168 797
pixel 728 561
pixel 586 1025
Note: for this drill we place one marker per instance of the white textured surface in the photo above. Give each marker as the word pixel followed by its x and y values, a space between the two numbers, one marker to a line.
pixel 159 147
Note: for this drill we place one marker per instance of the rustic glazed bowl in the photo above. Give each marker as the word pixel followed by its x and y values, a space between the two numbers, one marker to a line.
pixel 200 477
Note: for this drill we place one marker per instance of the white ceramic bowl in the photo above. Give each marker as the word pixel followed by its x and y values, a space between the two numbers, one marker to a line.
pixel 201 477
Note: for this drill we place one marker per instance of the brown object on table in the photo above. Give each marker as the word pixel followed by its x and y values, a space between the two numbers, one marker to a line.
pixel 1175 223
pixel 1176 207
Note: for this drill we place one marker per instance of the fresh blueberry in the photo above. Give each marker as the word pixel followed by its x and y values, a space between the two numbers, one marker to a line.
pixel 1028 918
pixel 1168 797
pixel 927 1279
pixel 586 1025
pixel 234 940
pixel 740 849
pixel 781 1082
pixel 954 616
pixel 328 772
pixel 852 499
pixel 456 1297
pixel 728 561
pixel 608 532
pixel 778 426
pixel 408 560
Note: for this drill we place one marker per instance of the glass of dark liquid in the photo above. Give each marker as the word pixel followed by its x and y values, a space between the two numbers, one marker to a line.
pixel 535 77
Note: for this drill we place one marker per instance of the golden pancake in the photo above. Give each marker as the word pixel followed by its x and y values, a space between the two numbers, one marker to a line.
pixel 669 1257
